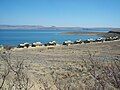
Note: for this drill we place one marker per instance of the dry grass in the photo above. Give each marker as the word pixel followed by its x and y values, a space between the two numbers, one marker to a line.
pixel 62 68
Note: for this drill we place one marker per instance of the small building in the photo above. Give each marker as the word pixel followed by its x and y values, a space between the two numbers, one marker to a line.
pixel 67 42
pixel 88 40
pixel 109 39
pixel 53 43
pixel 36 44
pixel 24 45
pixel 115 38
pixel 99 39
pixel 78 41
pixel 21 46
pixel 91 40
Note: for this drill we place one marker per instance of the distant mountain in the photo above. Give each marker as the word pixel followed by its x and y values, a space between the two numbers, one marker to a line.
pixel 34 27
pixel 38 27
pixel 20 27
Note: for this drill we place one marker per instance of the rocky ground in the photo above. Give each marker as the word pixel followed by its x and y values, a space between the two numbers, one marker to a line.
pixel 62 67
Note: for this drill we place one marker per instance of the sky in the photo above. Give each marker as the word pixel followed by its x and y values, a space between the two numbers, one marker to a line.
pixel 78 13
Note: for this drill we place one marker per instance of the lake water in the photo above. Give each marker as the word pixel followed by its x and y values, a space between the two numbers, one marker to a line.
pixel 15 37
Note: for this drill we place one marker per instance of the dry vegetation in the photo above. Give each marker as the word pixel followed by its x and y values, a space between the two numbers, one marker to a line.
pixel 47 69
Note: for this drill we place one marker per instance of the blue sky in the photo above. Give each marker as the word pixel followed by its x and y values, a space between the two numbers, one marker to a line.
pixel 82 13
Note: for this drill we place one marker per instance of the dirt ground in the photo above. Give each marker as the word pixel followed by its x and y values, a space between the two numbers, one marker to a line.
pixel 62 67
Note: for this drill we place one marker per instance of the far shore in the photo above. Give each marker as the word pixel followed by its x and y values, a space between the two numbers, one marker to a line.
pixel 101 34
pixel 84 33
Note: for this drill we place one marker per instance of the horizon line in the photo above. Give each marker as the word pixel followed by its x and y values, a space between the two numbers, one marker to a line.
pixel 59 26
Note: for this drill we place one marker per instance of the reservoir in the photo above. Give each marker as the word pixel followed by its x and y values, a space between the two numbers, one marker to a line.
pixel 15 37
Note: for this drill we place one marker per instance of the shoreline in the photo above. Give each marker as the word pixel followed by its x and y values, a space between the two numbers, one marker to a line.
pixel 60 45
pixel 52 46
pixel 66 63
pixel 84 33
pixel 100 34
